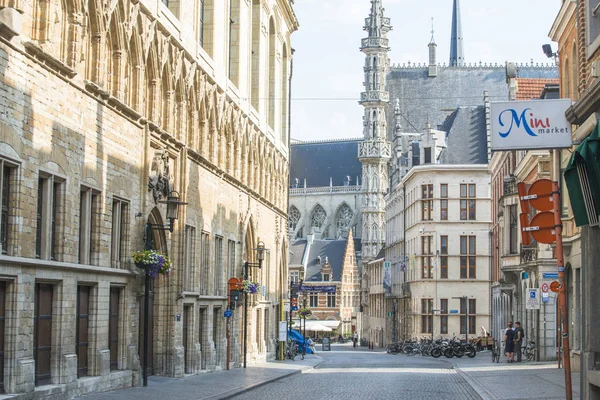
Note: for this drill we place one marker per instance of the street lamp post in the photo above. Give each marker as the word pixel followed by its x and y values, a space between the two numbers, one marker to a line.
pixel 173 204
pixel 260 255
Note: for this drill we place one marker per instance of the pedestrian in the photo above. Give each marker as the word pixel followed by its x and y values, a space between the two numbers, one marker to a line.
pixel 311 344
pixel 355 340
pixel 509 344
pixel 519 336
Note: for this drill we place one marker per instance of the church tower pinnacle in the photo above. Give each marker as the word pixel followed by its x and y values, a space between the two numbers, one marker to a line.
pixel 457 56
pixel 375 151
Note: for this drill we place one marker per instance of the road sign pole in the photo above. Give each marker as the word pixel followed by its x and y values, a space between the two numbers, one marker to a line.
pixel 562 293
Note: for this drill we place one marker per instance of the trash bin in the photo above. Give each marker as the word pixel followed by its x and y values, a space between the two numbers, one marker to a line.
pixel 326 346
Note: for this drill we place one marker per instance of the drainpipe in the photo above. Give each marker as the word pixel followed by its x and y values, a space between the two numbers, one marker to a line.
pixel 405 261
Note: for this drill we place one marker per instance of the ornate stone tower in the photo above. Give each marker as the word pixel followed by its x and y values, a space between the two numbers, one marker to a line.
pixel 375 151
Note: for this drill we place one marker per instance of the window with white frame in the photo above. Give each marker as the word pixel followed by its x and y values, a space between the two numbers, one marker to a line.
pixel 313 300
pixel 120 232
pixel 294 276
pixel 331 300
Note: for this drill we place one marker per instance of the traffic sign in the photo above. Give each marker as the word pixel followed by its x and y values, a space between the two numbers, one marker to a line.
pixel 453 311
pixel 550 275
pixel 545 288
pixel 533 300
pixel 540 195
pixel 544 222
pixel 555 286
pixel 227 313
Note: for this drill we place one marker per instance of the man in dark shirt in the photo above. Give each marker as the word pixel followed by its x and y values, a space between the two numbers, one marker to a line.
pixel 519 336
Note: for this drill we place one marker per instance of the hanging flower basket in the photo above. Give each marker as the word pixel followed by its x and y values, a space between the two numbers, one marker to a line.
pixel 250 287
pixel 305 312
pixel 153 262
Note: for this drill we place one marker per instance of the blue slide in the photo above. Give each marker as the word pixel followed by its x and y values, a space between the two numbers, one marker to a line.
pixel 295 335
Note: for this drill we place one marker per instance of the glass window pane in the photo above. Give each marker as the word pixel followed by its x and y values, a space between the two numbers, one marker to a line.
pixel 471 190
pixel 471 244
pixel 463 190
pixel 444 190
pixel 463 245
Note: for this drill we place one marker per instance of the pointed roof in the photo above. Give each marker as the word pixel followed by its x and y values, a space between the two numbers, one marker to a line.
pixel 457 55
pixel 376 24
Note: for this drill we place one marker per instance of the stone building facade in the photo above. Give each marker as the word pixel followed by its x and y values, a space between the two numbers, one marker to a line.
pixel 101 100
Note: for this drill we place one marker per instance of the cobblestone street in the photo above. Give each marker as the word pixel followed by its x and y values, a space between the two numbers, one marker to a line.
pixel 347 373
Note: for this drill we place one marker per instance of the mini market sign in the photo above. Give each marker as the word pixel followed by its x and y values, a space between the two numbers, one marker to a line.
pixel 532 124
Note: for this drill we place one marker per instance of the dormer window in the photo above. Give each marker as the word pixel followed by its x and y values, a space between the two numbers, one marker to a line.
pixel 326 277
pixel 427 155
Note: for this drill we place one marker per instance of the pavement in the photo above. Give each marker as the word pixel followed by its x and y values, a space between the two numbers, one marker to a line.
pixel 525 380
pixel 348 373
pixel 212 385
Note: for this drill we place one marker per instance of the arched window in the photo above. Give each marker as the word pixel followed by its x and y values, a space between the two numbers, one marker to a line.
pixel 255 60
pixel 343 220
pixel 234 42
pixel 293 218
pixel 566 93
pixel 574 72
pixel 317 217
pixel 272 75
pixel 284 95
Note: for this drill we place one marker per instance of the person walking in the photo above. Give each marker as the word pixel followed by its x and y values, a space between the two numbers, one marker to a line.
pixel 509 344
pixel 519 336
pixel 355 339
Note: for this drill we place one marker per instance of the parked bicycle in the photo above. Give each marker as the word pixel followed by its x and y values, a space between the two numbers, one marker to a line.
pixel 496 351
pixel 291 350
pixel 529 352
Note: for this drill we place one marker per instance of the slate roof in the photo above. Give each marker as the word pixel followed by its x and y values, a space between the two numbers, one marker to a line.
pixel 318 161
pixel 431 99
pixel 528 88
pixel 334 250
pixel 296 250
pixel 466 137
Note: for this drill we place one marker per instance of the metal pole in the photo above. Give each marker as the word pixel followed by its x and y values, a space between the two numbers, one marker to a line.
pixel 562 291
pixel 467 321
pixel 227 320
pixel 245 315
pixel 146 312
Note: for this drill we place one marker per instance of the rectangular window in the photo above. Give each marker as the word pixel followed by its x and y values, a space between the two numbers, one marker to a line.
pixel 513 229
pixel 443 257
pixel 426 258
pixel 331 300
pixel 472 315
pixel 82 328
pixel 2 331
pixel 7 171
pixel 205 265
pixel 444 202
pixel 89 210
pixel 190 258
pixel 294 276
pixel 468 261
pixel 313 299
pixel 427 202
pixel 200 22
pixel 467 202
pixel 174 6
pixel 49 210
pixel 113 327
pixel 231 270
pixel 326 277
pixel 443 316
pixel 42 335
pixel 119 233
pixel 427 155
pixel 215 330
pixel 426 315
pixel 219 266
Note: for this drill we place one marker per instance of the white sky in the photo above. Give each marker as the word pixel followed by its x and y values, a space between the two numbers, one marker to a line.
pixel 328 75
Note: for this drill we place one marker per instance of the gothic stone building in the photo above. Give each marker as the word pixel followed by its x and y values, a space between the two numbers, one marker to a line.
pixel 99 100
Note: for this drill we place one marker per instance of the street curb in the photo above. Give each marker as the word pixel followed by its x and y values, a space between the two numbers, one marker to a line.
pixel 476 386
pixel 228 394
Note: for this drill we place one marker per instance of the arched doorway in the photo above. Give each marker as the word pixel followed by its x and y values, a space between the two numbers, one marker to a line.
pixel 156 241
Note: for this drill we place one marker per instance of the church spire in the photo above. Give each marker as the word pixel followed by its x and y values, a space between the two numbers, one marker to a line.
pixel 376 24
pixel 432 54
pixel 457 56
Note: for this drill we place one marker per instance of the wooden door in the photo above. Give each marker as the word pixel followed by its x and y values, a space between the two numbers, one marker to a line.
pixel 186 342
pixel 82 328
pixel 150 333
pixel 113 327
pixel 2 331
pixel 42 346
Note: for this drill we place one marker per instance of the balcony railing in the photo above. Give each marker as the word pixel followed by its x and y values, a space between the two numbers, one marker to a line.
pixel 325 189
pixel 529 254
